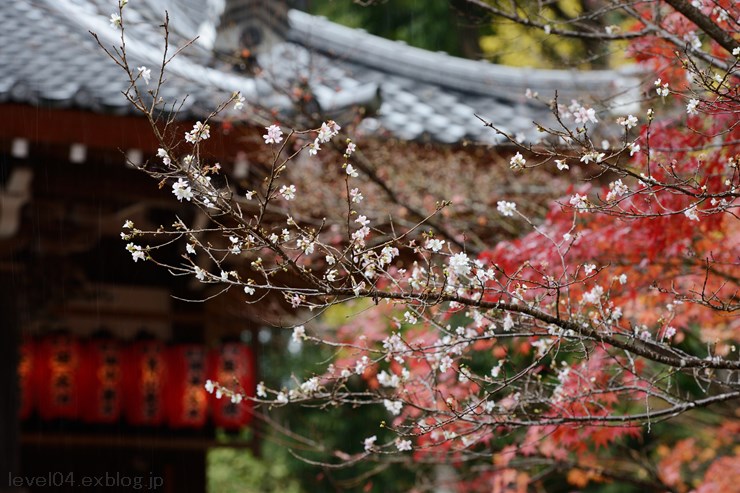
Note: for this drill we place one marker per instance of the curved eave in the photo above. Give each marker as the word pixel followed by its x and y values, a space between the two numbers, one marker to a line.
pixel 459 74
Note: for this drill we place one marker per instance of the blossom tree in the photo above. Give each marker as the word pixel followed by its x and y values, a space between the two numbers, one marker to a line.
pixel 568 351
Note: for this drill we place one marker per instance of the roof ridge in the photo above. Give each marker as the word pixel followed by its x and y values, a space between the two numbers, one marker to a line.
pixel 471 76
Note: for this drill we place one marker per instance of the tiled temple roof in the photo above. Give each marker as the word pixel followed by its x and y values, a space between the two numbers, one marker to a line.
pixel 48 57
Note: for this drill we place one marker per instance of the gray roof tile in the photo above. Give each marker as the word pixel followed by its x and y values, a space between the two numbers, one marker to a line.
pixel 47 57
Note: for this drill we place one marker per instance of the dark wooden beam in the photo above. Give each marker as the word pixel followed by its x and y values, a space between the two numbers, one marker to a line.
pixel 111 132
pixel 149 442
pixel 9 354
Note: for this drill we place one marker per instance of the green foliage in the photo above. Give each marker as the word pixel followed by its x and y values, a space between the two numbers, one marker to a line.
pixel 430 24
pixel 280 466
pixel 233 470
pixel 458 29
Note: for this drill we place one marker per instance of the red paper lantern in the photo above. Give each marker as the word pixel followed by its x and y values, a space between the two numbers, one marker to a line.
pixel 58 388
pixel 232 366
pixel 101 376
pixel 144 383
pixel 186 393
pixel 27 379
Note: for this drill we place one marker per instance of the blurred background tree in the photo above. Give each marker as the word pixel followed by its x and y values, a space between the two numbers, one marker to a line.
pixel 297 436
pixel 461 29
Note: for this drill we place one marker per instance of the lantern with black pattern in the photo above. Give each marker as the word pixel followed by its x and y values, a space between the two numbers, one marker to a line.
pixel 102 389
pixel 27 377
pixel 186 394
pixel 232 366
pixel 144 383
pixel 58 388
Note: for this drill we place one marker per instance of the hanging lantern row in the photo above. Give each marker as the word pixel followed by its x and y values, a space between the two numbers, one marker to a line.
pixel 145 383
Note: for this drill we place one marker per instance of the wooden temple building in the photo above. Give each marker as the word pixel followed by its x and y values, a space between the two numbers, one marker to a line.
pixel 101 365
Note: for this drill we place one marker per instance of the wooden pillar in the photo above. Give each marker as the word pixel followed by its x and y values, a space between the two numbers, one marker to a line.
pixel 10 341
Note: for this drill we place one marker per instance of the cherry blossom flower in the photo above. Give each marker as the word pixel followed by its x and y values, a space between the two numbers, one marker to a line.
pixel 325 133
pixel 691 107
pixel 661 90
pixel 508 323
pixel 362 220
pixel 583 114
pixel 199 132
pixel 361 365
pixel 351 147
pixel 306 245
pixel 594 295
pixel 369 443
pixel 248 290
pixel 691 213
pixel 165 157
pixel 181 189
pixel 274 135
pixel 314 148
pixel 115 21
pixel 356 196
pixel 351 171
pixel 359 235
pixel 310 386
pixel 693 39
pixel 210 386
pixel 299 333
pixel 261 390
pixel 434 244
pixel 235 249
pixel 387 255
pixel 617 189
pixel 629 122
pixel 506 208
pixel 393 407
pixel 561 164
pixel 580 202
pixel 335 128
pixel 460 264
pixel 634 148
pixel 403 445
pixel 592 156
pixel 238 100
pixel 517 162
pixel 388 380
pixel 288 192
pixel 136 252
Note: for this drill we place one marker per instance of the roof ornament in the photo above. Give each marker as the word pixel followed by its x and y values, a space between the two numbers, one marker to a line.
pixel 248 28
